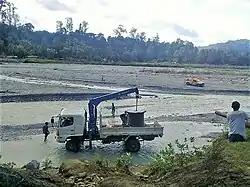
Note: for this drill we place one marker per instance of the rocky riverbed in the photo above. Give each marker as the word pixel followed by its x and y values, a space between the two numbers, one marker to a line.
pixel 58 78
pixel 184 111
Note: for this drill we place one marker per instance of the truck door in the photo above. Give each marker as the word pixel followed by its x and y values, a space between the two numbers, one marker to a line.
pixel 66 126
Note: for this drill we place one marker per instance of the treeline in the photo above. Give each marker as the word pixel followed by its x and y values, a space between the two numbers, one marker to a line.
pixel 21 40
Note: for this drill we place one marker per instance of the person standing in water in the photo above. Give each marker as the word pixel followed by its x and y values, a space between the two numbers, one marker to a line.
pixel 46 131
pixel 113 110
pixel 237 121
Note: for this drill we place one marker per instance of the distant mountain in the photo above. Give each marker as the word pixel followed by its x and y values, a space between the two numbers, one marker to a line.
pixel 242 45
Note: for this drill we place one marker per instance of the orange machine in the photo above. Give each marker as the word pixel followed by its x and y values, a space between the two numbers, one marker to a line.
pixel 194 81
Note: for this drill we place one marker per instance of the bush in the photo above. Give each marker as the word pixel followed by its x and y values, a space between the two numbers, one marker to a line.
pixel 214 154
pixel 47 164
pixel 124 162
pixel 99 162
pixel 169 159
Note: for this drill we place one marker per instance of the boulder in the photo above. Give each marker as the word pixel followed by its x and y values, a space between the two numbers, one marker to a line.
pixel 33 164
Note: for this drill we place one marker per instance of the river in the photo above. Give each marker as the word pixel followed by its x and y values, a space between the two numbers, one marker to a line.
pixel 32 147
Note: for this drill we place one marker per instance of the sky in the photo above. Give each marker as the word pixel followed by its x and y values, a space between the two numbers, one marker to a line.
pixel 202 22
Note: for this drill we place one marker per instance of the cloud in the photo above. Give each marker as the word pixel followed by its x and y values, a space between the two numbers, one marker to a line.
pixel 102 2
pixel 118 18
pixel 55 5
pixel 31 20
pixel 183 31
pixel 178 29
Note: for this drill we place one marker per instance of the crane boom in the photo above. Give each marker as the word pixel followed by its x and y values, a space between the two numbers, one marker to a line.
pixel 93 103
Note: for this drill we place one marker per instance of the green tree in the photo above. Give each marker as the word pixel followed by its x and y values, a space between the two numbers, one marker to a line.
pixel 59 27
pixel 133 32
pixel 21 39
pixel 69 24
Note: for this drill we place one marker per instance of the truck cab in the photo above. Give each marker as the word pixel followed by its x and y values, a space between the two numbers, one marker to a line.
pixel 70 124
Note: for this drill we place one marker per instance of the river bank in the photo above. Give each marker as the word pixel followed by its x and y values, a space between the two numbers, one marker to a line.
pixel 217 164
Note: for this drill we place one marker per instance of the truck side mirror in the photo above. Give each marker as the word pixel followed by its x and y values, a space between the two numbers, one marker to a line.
pixel 52 120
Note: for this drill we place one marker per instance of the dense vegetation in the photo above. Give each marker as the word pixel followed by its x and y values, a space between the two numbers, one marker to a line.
pixel 242 45
pixel 18 39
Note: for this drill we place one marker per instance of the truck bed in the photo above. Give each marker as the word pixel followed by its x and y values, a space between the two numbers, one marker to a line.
pixel 154 129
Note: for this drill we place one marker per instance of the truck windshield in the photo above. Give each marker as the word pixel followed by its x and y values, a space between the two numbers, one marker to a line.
pixel 65 121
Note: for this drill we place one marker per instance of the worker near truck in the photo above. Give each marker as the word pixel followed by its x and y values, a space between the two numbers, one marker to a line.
pixel 237 121
pixel 113 110
pixel 46 131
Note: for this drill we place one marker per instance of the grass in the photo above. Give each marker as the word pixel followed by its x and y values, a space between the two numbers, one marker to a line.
pixel 141 64
pixel 41 61
pixel 238 154
pixel 220 164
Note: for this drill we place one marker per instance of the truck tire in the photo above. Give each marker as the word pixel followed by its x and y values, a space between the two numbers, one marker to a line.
pixel 132 144
pixel 73 146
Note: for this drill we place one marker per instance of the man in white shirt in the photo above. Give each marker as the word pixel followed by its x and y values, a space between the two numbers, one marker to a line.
pixel 237 121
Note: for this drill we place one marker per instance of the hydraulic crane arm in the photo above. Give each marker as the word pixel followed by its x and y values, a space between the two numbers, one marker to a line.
pixel 93 103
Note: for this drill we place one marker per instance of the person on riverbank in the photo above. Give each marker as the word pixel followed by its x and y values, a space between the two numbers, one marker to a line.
pixel 237 121
pixel 46 131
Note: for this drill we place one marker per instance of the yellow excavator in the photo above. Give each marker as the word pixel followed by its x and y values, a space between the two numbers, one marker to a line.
pixel 194 81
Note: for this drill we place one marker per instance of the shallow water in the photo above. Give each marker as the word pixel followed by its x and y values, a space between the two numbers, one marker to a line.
pixel 23 151
pixel 35 112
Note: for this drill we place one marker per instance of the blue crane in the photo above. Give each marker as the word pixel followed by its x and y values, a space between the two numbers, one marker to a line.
pixel 130 136
pixel 93 103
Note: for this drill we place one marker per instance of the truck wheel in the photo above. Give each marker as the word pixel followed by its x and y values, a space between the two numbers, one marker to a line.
pixel 132 145
pixel 73 145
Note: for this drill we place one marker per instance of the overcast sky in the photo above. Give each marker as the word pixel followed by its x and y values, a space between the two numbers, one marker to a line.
pixel 201 21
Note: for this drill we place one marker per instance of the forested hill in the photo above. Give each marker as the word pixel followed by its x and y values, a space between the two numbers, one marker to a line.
pixel 242 45
pixel 126 45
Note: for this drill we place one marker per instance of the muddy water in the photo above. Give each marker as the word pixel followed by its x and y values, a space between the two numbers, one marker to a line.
pixel 33 148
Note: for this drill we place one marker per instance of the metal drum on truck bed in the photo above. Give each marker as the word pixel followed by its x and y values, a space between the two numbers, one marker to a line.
pixel 136 118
